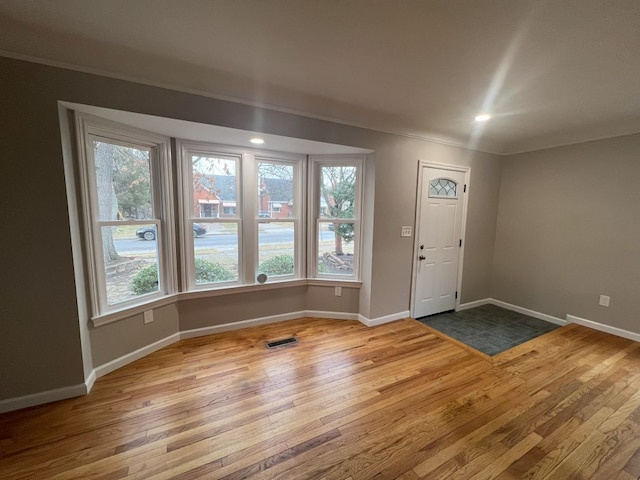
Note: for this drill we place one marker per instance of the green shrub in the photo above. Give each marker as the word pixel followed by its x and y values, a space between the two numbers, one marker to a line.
pixel 207 272
pixel 322 267
pixel 278 265
pixel 146 280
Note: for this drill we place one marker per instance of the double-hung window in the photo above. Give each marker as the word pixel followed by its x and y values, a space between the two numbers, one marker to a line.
pixel 126 192
pixel 335 212
pixel 279 186
pixel 212 216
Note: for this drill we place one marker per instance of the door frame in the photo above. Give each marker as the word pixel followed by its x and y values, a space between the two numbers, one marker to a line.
pixel 422 164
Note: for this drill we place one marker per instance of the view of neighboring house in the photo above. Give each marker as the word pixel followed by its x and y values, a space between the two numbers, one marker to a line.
pixel 215 196
pixel 276 198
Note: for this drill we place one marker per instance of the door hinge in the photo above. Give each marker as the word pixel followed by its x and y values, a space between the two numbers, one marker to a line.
pixel 460 243
pixel 465 188
pixel 456 295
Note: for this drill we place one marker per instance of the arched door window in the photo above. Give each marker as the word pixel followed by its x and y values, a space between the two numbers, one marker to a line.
pixel 443 187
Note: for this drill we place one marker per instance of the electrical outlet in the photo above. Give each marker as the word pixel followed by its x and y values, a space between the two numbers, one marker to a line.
pixel 147 316
pixel 338 291
pixel 406 231
pixel 604 300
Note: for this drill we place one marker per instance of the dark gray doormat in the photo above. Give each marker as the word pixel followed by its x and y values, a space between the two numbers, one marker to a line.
pixel 488 328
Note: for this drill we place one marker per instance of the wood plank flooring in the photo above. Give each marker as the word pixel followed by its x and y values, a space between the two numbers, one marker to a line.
pixel 347 402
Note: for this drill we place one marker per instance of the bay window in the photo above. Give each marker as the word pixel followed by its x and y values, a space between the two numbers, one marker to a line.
pixel 244 217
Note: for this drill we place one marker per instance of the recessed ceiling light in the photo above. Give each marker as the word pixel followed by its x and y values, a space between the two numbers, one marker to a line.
pixel 483 117
pixel 257 141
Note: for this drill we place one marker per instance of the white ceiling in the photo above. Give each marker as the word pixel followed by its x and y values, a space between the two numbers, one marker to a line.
pixel 550 72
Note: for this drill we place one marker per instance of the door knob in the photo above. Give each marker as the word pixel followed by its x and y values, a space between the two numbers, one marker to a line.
pixel 422 257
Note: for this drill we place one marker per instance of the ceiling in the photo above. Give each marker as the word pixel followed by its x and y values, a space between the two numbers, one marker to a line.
pixel 549 72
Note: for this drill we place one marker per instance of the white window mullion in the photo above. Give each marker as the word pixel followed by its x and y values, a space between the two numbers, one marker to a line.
pixel 301 240
pixel 185 192
pixel 249 231
pixel 165 203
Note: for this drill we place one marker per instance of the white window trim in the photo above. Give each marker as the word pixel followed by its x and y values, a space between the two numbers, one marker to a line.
pixel 87 129
pixel 315 162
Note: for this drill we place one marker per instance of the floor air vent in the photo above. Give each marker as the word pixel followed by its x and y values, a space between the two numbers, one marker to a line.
pixel 281 343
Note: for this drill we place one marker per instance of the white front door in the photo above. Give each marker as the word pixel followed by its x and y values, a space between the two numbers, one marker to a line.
pixel 439 240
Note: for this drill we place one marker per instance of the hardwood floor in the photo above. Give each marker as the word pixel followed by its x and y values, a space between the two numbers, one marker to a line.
pixel 348 402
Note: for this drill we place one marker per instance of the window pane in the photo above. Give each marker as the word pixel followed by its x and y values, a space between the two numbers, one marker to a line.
pixel 275 190
pixel 442 187
pixel 214 186
pixel 130 255
pixel 335 248
pixel 337 192
pixel 276 254
pixel 123 181
pixel 216 253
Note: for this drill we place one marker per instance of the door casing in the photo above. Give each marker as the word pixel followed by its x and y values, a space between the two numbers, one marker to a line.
pixel 422 164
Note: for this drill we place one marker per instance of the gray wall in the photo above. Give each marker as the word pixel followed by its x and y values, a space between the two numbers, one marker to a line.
pixel 41 331
pixel 569 230
pixel 128 335
pixel 396 184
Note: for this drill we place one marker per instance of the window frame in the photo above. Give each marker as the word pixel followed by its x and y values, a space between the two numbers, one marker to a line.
pixel 247 212
pixel 316 162
pixel 88 130
pixel 185 151
pixel 298 162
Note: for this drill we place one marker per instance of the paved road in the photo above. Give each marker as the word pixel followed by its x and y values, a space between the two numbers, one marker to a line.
pixel 280 235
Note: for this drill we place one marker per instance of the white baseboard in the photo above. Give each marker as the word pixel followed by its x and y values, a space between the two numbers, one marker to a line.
pixel 253 322
pixel 372 322
pixel 90 380
pixel 604 328
pixel 39 398
pixel 526 311
pixel 135 355
pixel 477 303
pixel 336 315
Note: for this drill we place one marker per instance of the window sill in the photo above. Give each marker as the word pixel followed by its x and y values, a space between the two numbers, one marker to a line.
pixel 129 312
